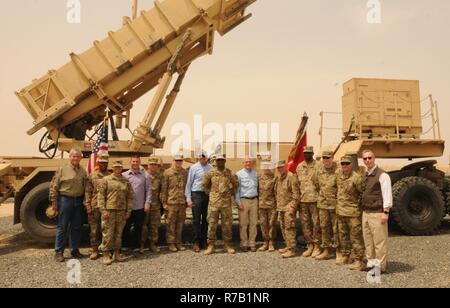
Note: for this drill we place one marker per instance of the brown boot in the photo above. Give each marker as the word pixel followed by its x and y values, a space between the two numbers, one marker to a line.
pixel 142 249
pixel 173 248
pixel 264 247
pixel 343 260
pixel 271 247
pixel 118 257
pixel 154 248
pixel 196 248
pixel 290 253
pixel 229 249
pixel 316 251
pixel 309 251
pixel 94 254
pixel 211 249
pixel 107 258
pixel 358 265
pixel 325 255
pixel 180 247
pixel 283 250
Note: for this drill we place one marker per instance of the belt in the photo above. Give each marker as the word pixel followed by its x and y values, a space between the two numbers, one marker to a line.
pixel 199 192
pixel 69 197
pixel 250 198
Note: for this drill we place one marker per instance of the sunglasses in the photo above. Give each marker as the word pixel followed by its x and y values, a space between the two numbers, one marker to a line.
pixel 345 164
pixel 367 158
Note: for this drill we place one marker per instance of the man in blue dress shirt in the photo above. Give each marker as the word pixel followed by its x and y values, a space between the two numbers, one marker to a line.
pixel 198 201
pixel 247 201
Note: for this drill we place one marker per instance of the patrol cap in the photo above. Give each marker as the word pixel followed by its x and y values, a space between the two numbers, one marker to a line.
pixel 220 157
pixel 281 164
pixel 308 149
pixel 346 160
pixel 154 161
pixel 178 157
pixel 118 163
pixel 103 159
pixel 327 154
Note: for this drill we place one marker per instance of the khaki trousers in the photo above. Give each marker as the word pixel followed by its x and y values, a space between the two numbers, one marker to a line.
pixel 248 222
pixel 375 239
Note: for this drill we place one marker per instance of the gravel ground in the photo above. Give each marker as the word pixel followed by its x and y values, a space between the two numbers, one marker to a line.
pixel 414 262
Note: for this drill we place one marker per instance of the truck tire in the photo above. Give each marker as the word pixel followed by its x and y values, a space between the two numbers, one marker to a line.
pixel 418 206
pixel 32 214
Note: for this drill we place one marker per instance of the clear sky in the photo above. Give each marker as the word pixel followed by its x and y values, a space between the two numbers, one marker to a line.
pixel 291 57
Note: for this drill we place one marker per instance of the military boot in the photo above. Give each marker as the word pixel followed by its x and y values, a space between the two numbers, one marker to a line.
pixel 211 249
pixel 264 247
pixel 154 248
pixel 107 258
pixel 309 251
pixel 173 248
pixel 316 251
pixel 358 265
pixel 290 253
pixel 94 254
pixel 271 247
pixel 325 255
pixel 180 247
pixel 282 250
pixel 118 257
pixel 229 249
pixel 342 260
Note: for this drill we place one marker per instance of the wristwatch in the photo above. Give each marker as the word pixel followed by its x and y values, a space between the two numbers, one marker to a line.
pixel 386 212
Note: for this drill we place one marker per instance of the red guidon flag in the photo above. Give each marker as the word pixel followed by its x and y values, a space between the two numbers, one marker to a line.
pixel 296 157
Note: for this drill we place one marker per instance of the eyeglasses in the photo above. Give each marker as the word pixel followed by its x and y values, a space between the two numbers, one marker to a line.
pixel 367 158
pixel 345 164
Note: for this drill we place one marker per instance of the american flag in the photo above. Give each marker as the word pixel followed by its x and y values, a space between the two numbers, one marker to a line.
pixel 100 148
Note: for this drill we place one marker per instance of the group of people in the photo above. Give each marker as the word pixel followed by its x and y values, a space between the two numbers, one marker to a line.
pixel 343 209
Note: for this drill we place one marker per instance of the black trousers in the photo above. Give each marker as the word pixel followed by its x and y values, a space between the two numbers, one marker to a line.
pixel 200 202
pixel 137 219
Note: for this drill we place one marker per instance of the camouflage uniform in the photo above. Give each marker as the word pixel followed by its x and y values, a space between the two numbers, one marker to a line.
pixel 152 222
pixel 325 181
pixel 309 215
pixel 115 196
pixel 172 195
pixel 350 188
pixel 268 214
pixel 91 205
pixel 287 197
pixel 221 186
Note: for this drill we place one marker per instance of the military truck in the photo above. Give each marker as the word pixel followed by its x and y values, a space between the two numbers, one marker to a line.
pixel 386 117
pixel 104 81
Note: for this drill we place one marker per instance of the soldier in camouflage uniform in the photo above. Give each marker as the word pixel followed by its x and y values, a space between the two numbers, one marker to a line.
pixel 174 202
pixel 268 214
pixel 348 210
pixel 221 185
pixel 115 200
pixel 309 215
pixel 91 205
pixel 325 181
pixel 152 221
pixel 287 198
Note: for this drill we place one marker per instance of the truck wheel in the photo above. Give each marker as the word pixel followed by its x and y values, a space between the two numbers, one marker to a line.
pixel 33 217
pixel 418 206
